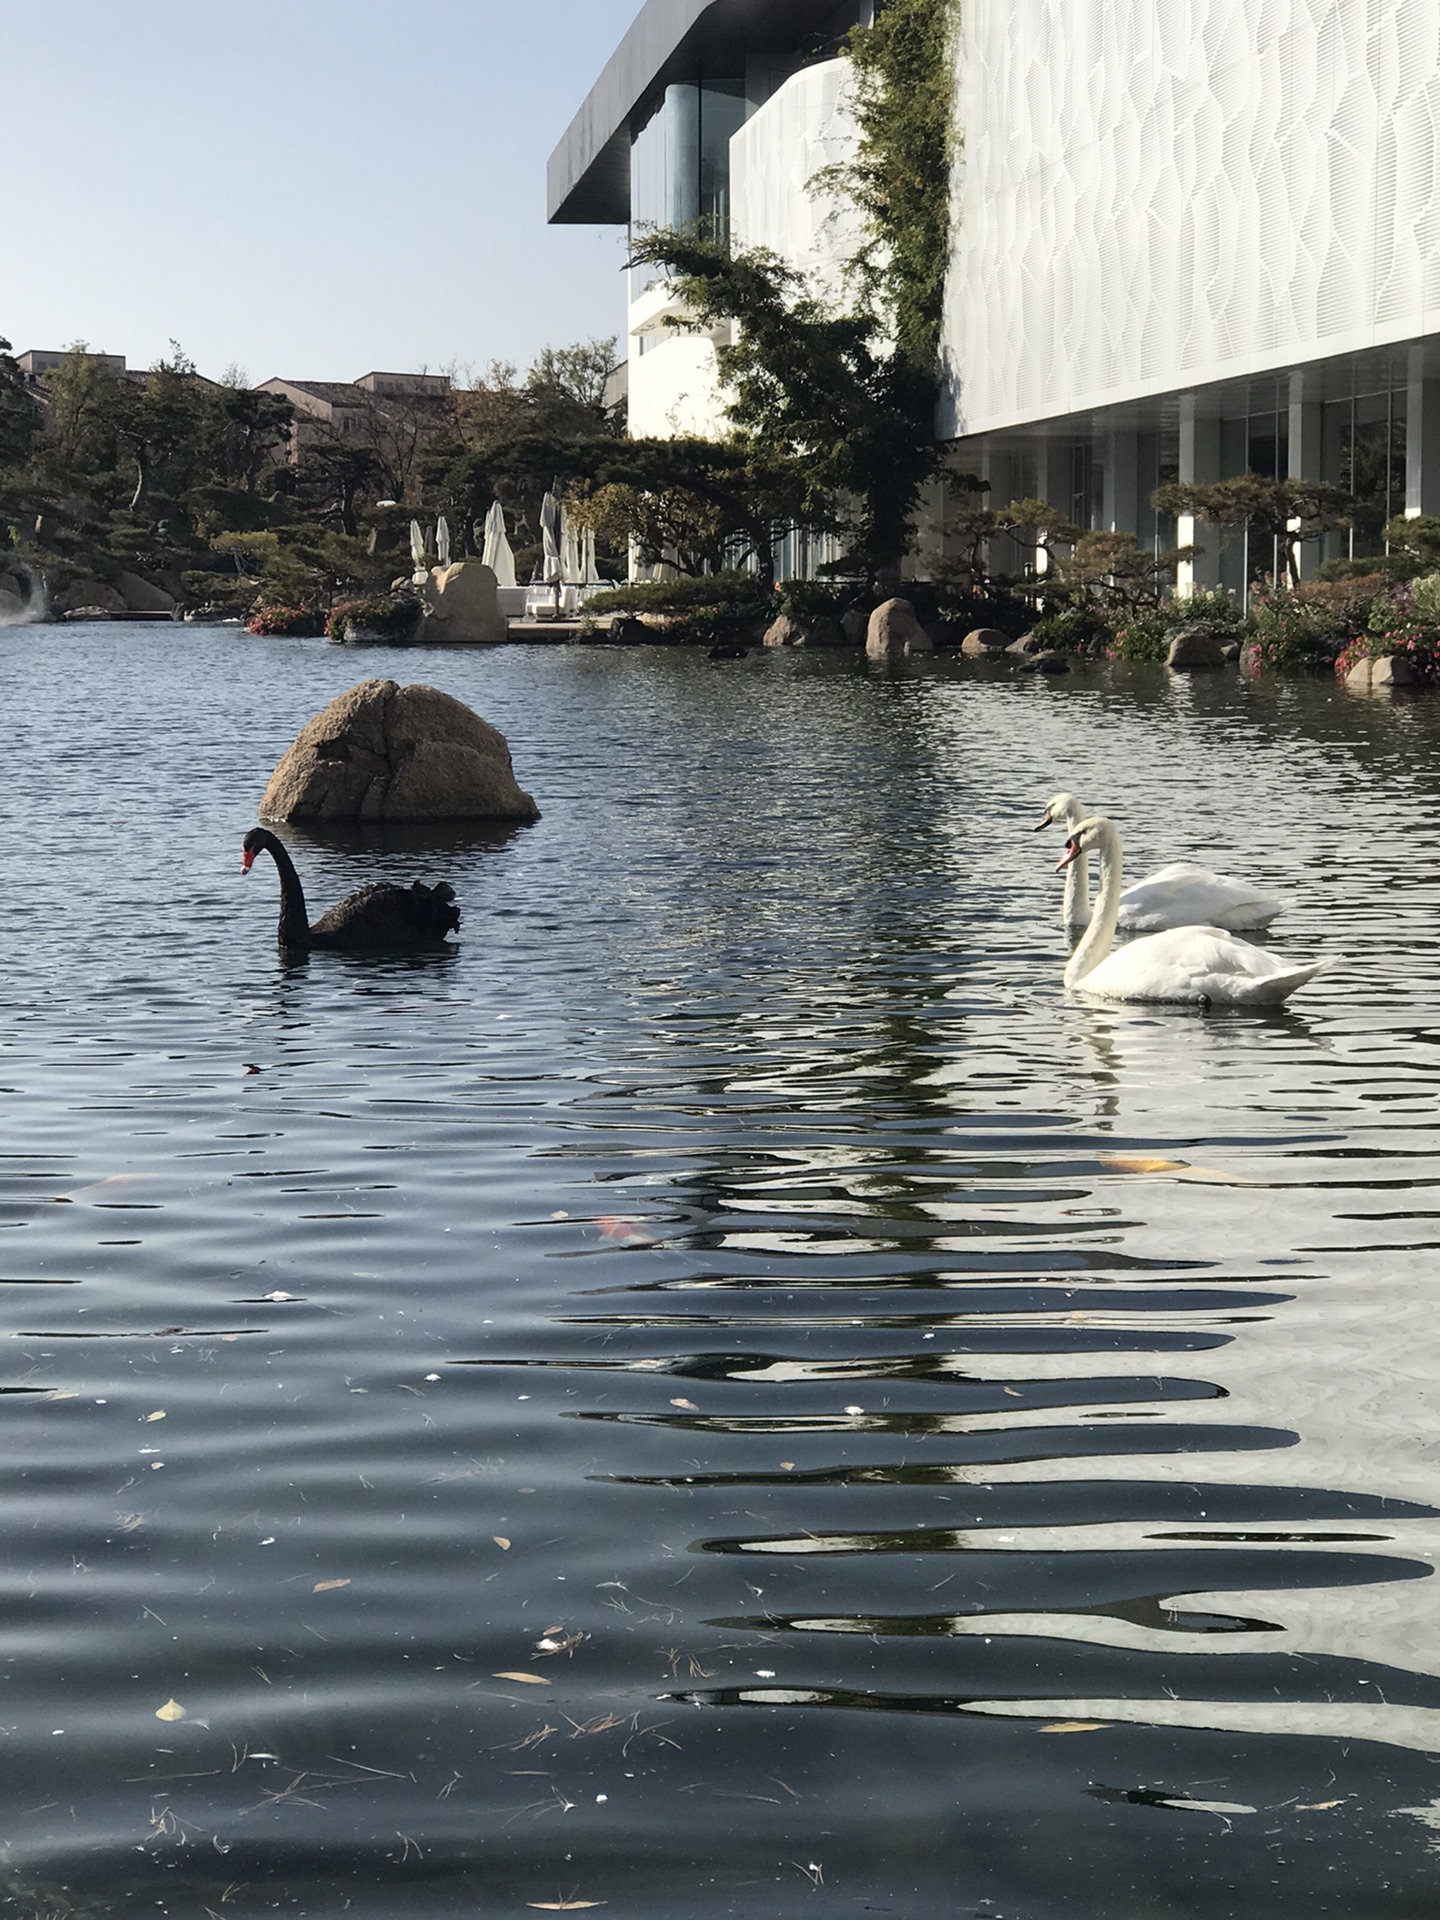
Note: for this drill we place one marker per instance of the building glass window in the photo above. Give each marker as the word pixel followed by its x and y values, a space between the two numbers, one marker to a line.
pixel 680 164
pixel 1372 466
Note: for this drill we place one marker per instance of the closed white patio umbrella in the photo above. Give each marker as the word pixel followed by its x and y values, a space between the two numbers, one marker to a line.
pixel 498 555
pixel 569 550
pixel 550 567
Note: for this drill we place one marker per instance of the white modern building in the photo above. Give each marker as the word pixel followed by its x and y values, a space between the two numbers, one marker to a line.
pixel 1190 238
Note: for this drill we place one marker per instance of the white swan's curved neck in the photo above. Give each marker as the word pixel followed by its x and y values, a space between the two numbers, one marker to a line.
pixel 1101 931
pixel 1077 892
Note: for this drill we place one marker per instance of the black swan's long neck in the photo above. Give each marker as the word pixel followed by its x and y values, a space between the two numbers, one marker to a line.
pixel 294 928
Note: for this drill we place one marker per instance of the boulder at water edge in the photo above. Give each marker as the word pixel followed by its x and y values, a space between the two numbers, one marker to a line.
pixel 786 631
pixel 1194 650
pixel 85 595
pixel 386 752
pixel 462 607
pixel 894 630
pixel 1377 676
pixel 981 642
pixel 143 596
pixel 827 631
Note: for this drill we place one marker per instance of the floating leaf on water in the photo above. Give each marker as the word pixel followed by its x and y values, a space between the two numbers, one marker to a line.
pixel 1075 1726
pixel 788 1465
pixel 1014 1393
pixel 153 1416
pixel 501 1542
pixel 625 1233
pixel 681 1401
pixel 1140 1163
pixel 328 1586
pixel 1223 1807
pixel 564 1906
pixel 172 1710
pixel 529 1679
pixel 1317 1806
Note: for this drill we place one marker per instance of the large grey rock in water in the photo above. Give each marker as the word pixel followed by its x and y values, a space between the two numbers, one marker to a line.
pixel 981 642
pixel 92 593
pixel 1194 650
pixel 826 632
pixel 386 752
pixel 462 607
pixel 894 631
pixel 1376 676
pixel 785 631
pixel 143 596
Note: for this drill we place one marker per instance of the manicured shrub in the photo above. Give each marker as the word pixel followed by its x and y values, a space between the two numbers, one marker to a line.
pixel 295 622
pixel 1074 629
pixel 1305 628
pixel 687 594
pixel 1146 636
pixel 1405 620
pixel 386 615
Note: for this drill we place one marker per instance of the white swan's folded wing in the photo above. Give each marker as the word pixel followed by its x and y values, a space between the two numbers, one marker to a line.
pixel 1185 895
pixel 1199 964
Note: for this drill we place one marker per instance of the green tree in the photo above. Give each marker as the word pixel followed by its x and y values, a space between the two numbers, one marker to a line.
pixel 19 414
pixel 812 390
pixel 1290 512
pixel 573 377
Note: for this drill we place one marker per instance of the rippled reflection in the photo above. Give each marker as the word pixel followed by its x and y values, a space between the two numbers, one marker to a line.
pixel 725 1390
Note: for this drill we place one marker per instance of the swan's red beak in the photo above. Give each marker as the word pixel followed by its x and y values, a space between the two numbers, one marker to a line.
pixel 247 860
pixel 1072 852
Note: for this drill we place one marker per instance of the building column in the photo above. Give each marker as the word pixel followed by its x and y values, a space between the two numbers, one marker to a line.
pixel 1120 508
pixel 1199 464
pixel 1422 439
pixel 1304 461
pixel 998 467
pixel 1052 479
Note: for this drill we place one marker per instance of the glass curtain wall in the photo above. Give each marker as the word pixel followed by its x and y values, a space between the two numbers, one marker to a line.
pixel 680 165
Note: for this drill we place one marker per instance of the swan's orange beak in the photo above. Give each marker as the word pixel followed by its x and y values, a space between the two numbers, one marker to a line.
pixel 247 860
pixel 1072 852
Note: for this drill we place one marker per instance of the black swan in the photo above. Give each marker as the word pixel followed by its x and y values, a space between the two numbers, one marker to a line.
pixel 376 916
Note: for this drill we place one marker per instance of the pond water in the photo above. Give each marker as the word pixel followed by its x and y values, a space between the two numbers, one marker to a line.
pixel 726 1393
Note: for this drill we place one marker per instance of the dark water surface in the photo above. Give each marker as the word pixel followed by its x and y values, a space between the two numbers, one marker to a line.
pixel 734 1291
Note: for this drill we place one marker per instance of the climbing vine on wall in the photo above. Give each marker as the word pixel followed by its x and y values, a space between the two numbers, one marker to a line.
pixel 899 176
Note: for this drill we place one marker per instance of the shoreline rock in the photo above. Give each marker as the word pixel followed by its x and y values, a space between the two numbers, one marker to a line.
pixel 894 631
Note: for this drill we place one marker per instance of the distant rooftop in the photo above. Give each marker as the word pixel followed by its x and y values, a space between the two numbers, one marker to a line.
pixel 46 359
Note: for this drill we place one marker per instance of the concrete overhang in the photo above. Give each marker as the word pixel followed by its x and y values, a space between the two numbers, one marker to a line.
pixel 588 178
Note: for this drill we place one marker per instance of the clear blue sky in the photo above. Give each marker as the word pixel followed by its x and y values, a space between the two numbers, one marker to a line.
pixel 309 188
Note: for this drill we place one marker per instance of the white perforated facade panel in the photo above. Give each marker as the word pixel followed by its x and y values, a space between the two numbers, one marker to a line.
pixel 1154 194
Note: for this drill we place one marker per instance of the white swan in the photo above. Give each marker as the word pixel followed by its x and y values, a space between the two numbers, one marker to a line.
pixel 1201 964
pixel 1180 895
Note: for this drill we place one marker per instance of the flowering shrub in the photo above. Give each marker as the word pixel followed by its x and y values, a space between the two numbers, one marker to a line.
pixel 1080 628
pixel 273 616
pixel 1146 635
pixel 1405 620
pixel 386 616
pixel 1306 628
